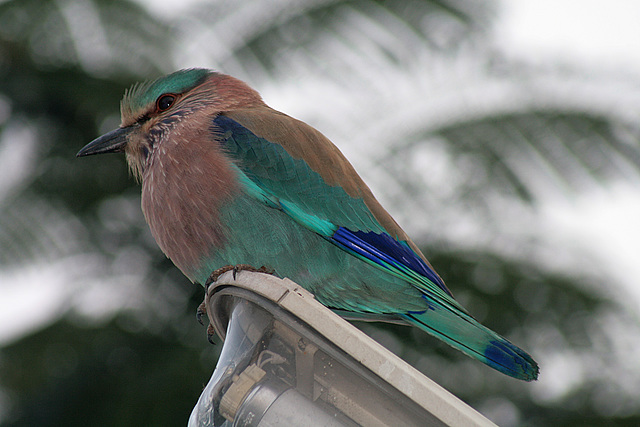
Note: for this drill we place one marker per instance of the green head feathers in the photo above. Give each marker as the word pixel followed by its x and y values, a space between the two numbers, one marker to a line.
pixel 139 96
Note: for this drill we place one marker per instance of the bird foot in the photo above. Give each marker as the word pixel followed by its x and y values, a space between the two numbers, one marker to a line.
pixel 200 313
pixel 236 269
pixel 202 308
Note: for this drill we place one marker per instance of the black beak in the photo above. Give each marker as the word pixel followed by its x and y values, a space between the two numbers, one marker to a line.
pixel 112 142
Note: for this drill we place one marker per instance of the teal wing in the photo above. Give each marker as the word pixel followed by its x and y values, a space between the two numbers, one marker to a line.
pixel 290 185
pixel 270 174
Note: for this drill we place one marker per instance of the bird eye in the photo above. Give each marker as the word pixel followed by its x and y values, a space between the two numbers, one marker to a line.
pixel 165 101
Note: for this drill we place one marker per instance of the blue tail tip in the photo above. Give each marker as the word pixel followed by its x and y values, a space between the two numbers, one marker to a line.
pixel 511 360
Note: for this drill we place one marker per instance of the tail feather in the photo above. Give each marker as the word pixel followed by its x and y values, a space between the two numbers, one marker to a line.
pixel 464 333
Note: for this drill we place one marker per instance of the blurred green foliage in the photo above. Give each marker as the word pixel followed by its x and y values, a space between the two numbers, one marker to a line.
pixel 61 78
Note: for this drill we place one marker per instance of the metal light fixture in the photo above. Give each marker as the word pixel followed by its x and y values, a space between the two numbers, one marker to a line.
pixel 289 361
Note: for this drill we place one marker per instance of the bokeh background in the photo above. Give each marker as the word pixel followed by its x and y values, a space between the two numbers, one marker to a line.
pixel 503 135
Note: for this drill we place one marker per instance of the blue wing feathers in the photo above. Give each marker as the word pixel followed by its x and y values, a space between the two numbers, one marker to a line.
pixel 391 250
pixel 301 191
pixel 288 184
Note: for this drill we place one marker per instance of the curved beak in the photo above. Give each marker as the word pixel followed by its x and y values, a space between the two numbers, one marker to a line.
pixel 112 142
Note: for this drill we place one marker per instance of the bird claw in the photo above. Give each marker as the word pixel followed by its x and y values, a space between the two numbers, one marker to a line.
pixel 246 267
pixel 201 311
pixel 211 333
pixel 236 269
pixel 217 273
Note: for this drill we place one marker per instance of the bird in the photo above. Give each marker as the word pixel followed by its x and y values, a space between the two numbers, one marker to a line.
pixel 226 180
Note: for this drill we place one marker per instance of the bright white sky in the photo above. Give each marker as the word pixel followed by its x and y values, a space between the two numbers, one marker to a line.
pixel 605 32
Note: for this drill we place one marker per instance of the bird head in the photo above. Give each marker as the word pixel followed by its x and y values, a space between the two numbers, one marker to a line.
pixel 150 111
